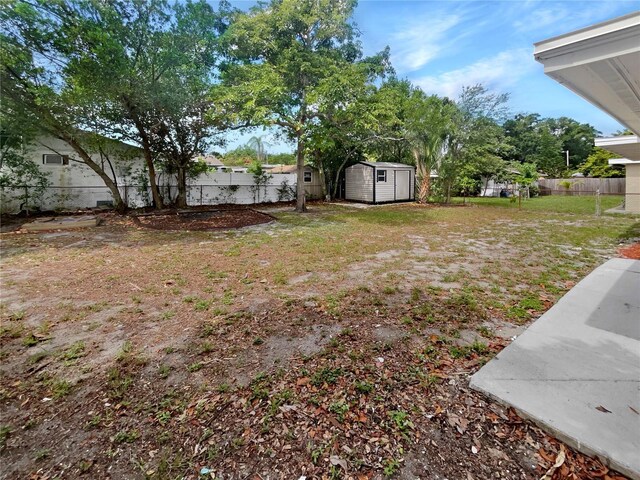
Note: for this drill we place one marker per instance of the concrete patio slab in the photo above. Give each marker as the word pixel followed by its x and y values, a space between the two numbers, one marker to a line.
pixel 576 370
pixel 61 223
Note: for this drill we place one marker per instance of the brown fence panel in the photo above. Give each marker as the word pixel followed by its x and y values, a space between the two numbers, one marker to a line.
pixel 581 186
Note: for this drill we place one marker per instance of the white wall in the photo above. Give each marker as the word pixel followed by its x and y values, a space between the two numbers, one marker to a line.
pixel 76 186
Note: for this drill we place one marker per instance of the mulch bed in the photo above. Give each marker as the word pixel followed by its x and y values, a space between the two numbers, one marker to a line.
pixel 203 220
pixel 630 251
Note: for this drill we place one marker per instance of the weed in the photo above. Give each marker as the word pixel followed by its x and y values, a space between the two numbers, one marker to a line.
pixel 223 388
pixel 401 420
pixel 60 388
pixel 194 367
pixel 41 454
pixel 163 417
pixel 206 347
pixel 326 375
pixel 126 436
pixel 168 315
pixel 95 421
pixel 38 357
pixel 164 371
pixel 74 352
pixel 340 408
pixel 415 295
pixel 202 305
pixel 391 466
pixel 258 341
pixel 208 329
pixel 5 431
pixel 30 340
pixel 118 383
pixel 363 387
pixel 486 332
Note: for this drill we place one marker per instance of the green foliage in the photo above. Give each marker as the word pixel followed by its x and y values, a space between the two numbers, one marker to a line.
pixel 20 177
pixel 597 165
pixel 296 63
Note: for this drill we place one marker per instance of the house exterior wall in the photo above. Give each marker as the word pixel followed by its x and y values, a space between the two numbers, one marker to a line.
pixel 632 191
pixel 314 188
pixel 359 183
pixel 76 186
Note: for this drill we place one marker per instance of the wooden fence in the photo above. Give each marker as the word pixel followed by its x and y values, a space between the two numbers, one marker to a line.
pixel 581 186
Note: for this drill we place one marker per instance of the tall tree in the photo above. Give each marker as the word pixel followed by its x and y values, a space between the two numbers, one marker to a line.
pixel 429 125
pixel 259 146
pixel 151 66
pixel 475 134
pixel 35 87
pixel 293 60
pixel 576 138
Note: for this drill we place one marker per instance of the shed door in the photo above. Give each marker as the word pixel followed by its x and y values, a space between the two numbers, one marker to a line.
pixel 403 184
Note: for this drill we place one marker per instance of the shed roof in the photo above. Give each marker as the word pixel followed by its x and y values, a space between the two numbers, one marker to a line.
pixel 387 165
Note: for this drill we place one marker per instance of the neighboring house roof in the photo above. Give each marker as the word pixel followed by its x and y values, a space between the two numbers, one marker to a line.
pixel 287 168
pixel 387 165
pixel 211 160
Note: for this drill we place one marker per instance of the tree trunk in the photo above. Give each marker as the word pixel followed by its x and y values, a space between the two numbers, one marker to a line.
pixel 337 178
pixel 425 187
pixel 300 195
pixel 148 158
pixel 158 202
pixel 118 203
pixel 181 199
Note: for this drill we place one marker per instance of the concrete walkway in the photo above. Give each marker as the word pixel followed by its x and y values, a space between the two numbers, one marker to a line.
pixel 576 370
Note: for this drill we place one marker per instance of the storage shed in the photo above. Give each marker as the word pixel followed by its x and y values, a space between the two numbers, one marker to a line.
pixel 380 182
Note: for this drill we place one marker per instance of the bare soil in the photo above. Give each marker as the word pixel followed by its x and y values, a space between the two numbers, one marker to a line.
pixel 203 220
pixel 330 345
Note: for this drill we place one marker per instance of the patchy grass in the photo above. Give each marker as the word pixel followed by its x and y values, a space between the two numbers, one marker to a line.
pixel 342 335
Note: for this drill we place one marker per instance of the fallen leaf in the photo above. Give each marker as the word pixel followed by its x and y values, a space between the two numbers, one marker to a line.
pixel 633 410
pixel 336 460
pixel 559 462
pixel 600 408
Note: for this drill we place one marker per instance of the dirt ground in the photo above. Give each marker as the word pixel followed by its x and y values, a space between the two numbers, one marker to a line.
pixel 336 344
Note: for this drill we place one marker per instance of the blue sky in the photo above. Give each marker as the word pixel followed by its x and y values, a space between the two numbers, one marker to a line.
pixel 444 45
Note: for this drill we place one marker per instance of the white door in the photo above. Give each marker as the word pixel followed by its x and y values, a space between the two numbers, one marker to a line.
pixel 403 184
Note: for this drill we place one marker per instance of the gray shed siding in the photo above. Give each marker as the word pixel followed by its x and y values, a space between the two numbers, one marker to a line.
pixel 385 190
pixel 359 183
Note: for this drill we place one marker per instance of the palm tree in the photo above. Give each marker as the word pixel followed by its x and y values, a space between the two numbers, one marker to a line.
pixel 259 146
pixel 428 127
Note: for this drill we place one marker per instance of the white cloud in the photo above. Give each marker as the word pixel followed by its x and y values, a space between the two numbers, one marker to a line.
pixel 422 40
pixel 498 72
pixel 564 17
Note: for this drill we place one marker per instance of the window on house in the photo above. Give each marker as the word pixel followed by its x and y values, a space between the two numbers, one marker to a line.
pixel 54 159
pixel 381 175
pixel 306 177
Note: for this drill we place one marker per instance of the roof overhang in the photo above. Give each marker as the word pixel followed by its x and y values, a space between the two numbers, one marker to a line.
pixel 627 146
pixel 623 161
pixel 601 63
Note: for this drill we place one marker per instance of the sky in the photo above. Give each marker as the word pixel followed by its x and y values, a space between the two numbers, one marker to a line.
pixel 444 45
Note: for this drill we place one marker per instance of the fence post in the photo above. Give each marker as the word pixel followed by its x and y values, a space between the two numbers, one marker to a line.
pixel 597 202
pixel 200 194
